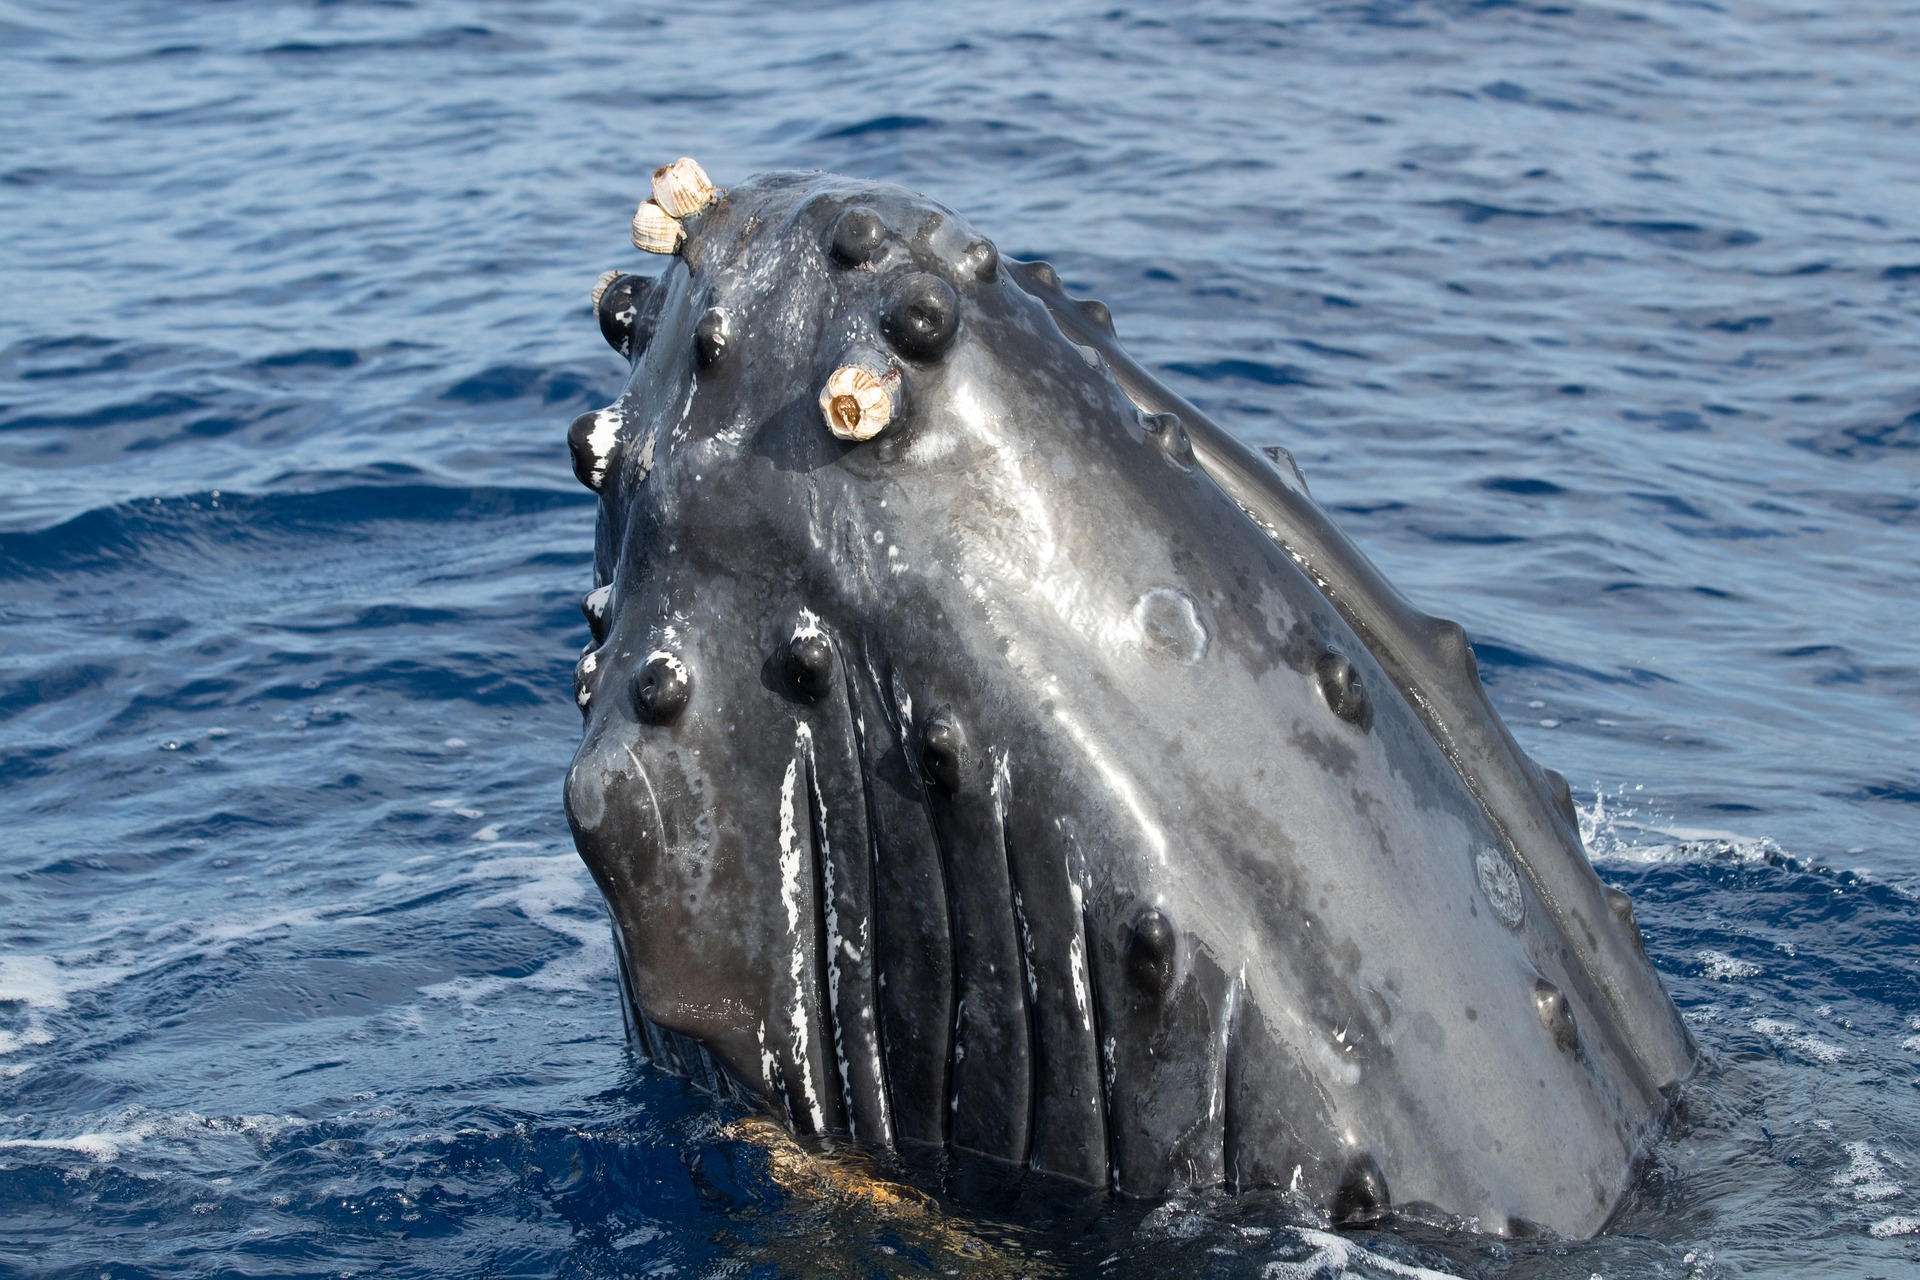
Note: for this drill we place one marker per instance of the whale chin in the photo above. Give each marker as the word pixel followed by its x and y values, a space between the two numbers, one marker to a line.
pixel 986 753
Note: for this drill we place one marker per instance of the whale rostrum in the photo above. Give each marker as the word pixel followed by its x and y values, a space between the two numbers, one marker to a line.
pixel 986 753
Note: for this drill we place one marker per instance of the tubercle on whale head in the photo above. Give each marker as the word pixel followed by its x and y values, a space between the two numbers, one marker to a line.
pixel 966 767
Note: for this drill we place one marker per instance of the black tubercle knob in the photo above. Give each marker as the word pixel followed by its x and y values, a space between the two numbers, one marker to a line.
pixel 1622 907
pixel 593 607
pixel 619 313
pixel 943 753
pixel 1150 953
pixel 1345 695
pixel 1170 434
pixel 583 682
pixel 1362 1198
pixel 807 663
pixel 591 440
pixel 858 237
pixel 981 260
pixel 922 316
pixel 1556 1015
pixel 1098 312
pixel 661 689
pixel 713 336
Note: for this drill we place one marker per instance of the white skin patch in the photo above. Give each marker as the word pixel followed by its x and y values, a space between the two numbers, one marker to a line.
pixel 1002 784
pixel 588 665
pixel 672 663
pixel 769 1069
pixel 792 862
pixel 1077 962
pixel 810 625
pixel 646 457
pixel 601 440
pixel 597 600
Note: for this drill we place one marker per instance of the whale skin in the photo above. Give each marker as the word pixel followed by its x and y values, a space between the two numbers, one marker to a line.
pixel 1042 780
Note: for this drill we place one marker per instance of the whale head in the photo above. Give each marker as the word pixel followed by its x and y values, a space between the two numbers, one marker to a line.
pixel 982 754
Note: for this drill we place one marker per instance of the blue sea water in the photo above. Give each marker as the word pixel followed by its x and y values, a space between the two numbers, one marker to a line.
pixel 1596 324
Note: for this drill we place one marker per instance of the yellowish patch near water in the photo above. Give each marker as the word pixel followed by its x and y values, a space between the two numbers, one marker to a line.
pixel 848 1219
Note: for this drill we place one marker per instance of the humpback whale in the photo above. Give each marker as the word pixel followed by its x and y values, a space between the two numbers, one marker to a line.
pixel 987 753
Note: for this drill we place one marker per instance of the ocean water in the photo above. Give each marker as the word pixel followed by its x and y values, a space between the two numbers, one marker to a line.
pixel 1596 324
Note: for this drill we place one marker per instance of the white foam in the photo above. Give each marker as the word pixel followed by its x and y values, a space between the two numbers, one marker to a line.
pixel 1897 1225
pixel 1865 1178
pixel 134 1126
pixel 1335 1256
pixel 1614 830
pixel 1722 967
pixel 43 984
pixel 101 1146
pixel 33 980
pixel 1788 1035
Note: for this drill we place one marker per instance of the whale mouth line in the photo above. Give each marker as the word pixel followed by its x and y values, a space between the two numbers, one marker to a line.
pixel 671 1051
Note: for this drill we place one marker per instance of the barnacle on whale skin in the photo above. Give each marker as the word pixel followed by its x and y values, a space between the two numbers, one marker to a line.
pixel 655 230
pixel 682 187
pixel 858 400
pixel 601 285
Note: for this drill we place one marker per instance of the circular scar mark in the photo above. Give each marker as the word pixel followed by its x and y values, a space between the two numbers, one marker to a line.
pixel 1170 627
pixel 1501 883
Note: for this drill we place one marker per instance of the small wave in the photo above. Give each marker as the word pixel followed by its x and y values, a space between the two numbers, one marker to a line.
pixel 214 523
pixel 880 124
pixel 550 890
pixel 1236 370
pixel 1613 829
pixel 556 892
pixel 43 986
pixel 100 1146
pixel 136 1126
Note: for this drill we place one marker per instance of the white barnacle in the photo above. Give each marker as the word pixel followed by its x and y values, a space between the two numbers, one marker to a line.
pixel 858 400
pixel 655 230
pixel 682 187
pixel 1501 883
pixel 601 286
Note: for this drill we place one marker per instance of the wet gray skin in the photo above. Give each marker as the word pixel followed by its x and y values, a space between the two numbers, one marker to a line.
pixel 1046 780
